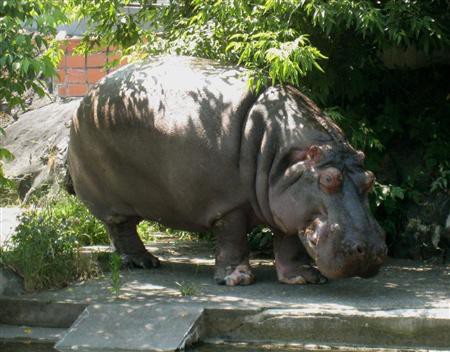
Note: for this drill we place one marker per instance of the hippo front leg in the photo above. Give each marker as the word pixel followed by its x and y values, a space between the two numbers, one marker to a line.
pixel 232 251
pixel 126 242
pixel 293 263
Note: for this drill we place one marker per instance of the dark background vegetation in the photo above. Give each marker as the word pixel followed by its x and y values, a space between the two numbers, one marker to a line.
pixel 380 69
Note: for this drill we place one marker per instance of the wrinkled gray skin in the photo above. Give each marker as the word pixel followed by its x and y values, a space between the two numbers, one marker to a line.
pixel 182 141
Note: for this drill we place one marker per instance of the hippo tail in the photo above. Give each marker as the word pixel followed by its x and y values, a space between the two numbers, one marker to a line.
pixel 68 183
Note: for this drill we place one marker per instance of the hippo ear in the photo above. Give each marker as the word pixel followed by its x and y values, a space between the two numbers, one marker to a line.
pixel 312 153
pixel 360 156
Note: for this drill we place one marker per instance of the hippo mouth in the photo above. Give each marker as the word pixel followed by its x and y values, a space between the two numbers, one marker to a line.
pixel 325 244
pixel 317 231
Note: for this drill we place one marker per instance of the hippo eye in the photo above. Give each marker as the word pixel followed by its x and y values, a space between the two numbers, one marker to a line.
pixel 330 180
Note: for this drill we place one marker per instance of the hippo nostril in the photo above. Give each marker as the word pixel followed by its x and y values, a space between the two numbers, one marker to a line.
pixel 359 249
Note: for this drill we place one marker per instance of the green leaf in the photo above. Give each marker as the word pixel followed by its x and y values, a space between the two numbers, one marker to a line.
pixel 25 64
pixel 6 154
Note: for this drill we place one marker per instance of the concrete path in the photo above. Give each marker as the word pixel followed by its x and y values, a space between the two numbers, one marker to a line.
pixel 188 266
pixel 407 305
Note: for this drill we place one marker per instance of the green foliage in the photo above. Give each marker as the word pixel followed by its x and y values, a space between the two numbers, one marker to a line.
pixel 260 239
pixel 146 231
pixel 71 218
pixel 28 54
pixel 45 253
pixel 442 181
pixel 45 247
pixel 4 155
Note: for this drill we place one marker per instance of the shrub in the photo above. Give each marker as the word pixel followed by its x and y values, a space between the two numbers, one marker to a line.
pixel 44 254
pixel 74 219
pixel 45 249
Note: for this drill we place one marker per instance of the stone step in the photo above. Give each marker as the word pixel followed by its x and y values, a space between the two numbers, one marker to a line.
pixel 43 314
pixel 29 334
pixel 405 328
pixel 149 326
pixel 222 346
pixel 125 326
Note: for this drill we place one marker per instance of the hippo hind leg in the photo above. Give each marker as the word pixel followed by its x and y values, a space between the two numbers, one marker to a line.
pixel 232 251
pixel 293 263
pixel 126 242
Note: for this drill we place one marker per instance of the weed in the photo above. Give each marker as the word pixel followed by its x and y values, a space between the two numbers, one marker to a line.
pixel 187 289
pixel 115 263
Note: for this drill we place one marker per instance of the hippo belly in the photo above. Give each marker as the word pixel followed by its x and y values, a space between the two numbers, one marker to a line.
pixel 162 143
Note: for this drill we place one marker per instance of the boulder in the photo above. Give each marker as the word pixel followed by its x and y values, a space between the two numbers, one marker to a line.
pixel 39 140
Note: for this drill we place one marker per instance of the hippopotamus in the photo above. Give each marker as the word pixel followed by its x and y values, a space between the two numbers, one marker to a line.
pixel 187 143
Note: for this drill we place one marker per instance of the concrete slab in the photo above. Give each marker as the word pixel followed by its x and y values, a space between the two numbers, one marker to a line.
pixel 8 223
pixel 132 327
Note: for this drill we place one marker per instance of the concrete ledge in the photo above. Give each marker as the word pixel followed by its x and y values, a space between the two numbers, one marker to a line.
pixel 26 334
pixel 39 313
pixel 423 328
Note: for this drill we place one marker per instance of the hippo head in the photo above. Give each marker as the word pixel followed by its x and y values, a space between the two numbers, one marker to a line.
pixel 322 196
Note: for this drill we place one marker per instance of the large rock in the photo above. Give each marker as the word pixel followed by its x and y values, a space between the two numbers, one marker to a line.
pixel 9 219
pixel 39 140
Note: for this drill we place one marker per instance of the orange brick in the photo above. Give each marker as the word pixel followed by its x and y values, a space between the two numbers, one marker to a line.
pixel 75 75
pixel 62 91
pixel 95 74
pixel 76 90
pixel 61 76
pixel 71 44
pixel 75 61
pixel 96 60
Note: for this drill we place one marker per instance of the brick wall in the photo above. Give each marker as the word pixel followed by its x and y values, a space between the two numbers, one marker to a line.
pixel 77 73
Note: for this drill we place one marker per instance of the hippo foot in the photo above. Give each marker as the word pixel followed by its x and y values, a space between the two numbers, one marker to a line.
pixel 305 274
pixel 241 275
pixel 141 261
